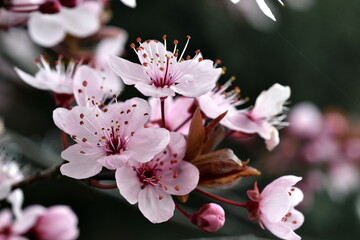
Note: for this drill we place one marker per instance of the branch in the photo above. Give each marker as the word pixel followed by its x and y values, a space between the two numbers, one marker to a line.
pixel 40 175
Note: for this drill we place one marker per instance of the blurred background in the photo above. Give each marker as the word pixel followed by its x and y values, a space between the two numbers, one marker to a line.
pixel 313 48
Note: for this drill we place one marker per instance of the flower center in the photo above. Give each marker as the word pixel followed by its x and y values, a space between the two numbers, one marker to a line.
pixel 147 175
pixel 114 144
pixel 162 66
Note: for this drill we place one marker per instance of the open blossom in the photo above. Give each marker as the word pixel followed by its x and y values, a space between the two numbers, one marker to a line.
pixel 48 30
pixel 210 217
pixel 58 79
pixel 10 173
pixel 151 183
pixel 264 116
pixel 37 222
pixel 264 7
pixel 163 73
pixel 178 113
pixel 108 137
pixel 274 207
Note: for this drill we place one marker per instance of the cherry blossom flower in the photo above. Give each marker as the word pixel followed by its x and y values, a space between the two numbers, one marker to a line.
pixel 58 79
pixel 163 73
pixel 81 21
pixel 10 173
pixel 151 183
pixel 266 114
pixel 274 207
pixel 108 137
pixel 178 112
pixel 210 217
pixel 264 7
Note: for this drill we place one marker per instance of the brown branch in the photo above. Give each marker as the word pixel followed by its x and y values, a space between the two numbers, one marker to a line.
pixel 40 175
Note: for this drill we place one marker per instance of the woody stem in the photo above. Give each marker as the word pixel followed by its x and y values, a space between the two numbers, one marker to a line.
pixel 224 200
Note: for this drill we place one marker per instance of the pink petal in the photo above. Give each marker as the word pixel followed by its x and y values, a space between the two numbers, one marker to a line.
pixel 83 161
pixel 57 223
pixel 59 117
pixel 186 179
pixel 91 90
pixel 129 72
pixel 294 219
pixel 199 78
pixel 28 218
pixel 5 218
pixel 283 182
pixel 114 162
pixel 151 91
pixel 274 204
pixel 239 121
pixel 84 124
pixel 46 30
pixel 296 195
pixel 132 114
pixel 155 204
pixel 281 230
pixel 147 142
pixel 128 183
pixel 209 106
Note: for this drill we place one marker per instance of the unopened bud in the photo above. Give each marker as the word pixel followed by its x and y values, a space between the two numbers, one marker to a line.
pixel 69 3
pixel 50 7
pixel 210 217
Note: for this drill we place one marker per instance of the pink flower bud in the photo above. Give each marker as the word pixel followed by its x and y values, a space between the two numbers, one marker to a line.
pixel 57 223
pixel 69 3
pixel 210 217
pixel 50 7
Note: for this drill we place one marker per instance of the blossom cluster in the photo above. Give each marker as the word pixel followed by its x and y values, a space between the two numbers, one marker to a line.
pixel 158 148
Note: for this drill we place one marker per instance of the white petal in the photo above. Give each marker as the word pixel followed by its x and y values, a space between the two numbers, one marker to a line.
pixel 129 3
pixel 274 139
pixel 32 81
pixel 294 219
pixel 265 9
pixel 83 161
pixel 274 204
pixel 79 21
pixel 46 30
pixel 155 204
pixel 111 45
pixel 128 183
pixel 129 72
pixel 270 102
pixel 16 199
pixel 296 195
pixel 92 90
